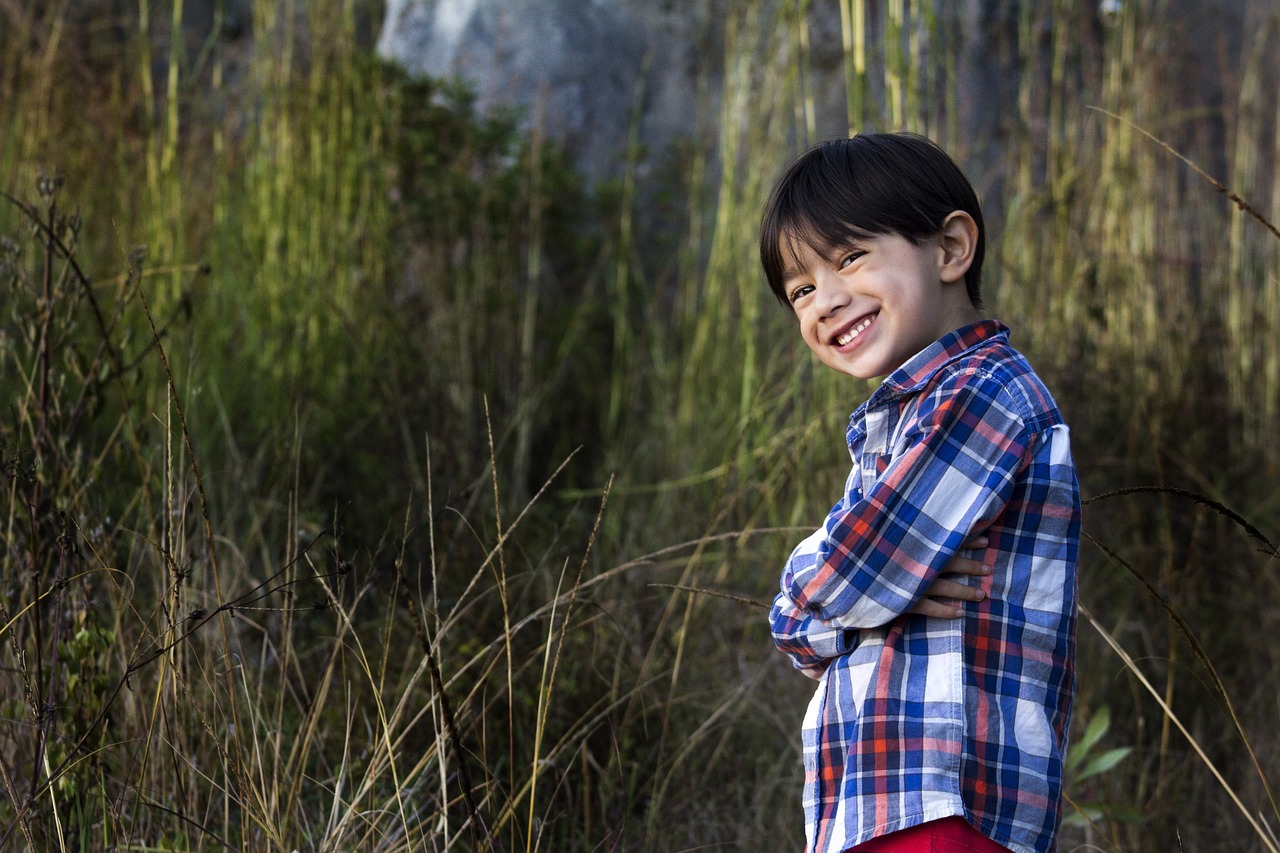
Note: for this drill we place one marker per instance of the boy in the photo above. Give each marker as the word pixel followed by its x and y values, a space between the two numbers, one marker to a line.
pixel 937 604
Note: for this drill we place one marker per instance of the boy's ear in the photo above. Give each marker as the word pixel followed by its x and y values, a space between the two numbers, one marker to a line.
pixel 959 240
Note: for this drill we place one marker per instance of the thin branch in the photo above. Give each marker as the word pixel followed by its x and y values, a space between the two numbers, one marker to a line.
pixel 1218 185
pixel 1204 500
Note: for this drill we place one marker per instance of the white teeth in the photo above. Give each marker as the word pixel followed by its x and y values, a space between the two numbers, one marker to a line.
pixel 853 333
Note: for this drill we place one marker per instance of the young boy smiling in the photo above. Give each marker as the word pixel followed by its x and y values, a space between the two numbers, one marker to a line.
pixel 936 605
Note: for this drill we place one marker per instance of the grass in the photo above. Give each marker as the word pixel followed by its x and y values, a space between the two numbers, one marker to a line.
pixel 297 557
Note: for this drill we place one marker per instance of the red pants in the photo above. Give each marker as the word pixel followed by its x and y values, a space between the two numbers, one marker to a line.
pixel 949 835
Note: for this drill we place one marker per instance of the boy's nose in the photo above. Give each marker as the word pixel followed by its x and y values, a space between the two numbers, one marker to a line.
pixel 831 297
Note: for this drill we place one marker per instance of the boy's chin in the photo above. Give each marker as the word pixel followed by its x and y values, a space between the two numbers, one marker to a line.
pixel 856 370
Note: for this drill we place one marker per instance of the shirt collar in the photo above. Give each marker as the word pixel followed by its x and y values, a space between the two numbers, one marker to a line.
pixel 920 368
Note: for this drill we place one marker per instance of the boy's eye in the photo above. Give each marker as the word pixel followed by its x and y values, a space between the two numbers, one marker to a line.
pixel 850 258
pixel 798 292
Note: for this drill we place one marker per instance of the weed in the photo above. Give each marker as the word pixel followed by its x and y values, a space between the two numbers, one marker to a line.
pixel 308 548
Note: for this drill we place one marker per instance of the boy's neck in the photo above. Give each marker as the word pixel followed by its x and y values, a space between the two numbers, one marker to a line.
pixel 962 314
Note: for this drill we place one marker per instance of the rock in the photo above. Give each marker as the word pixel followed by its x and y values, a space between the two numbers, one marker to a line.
pixel 582 70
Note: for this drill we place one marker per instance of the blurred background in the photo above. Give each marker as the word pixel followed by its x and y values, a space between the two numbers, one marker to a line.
pixel 400 441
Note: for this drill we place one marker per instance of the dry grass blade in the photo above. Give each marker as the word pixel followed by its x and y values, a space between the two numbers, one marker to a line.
pixel 1218 185
pixel 1217 506
pixel 450 720
pixel 741 599
pixel 548 682
pixel 1203 657
pixel 1132 666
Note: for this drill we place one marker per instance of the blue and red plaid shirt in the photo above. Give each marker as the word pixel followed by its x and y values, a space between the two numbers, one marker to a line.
pixel 918 718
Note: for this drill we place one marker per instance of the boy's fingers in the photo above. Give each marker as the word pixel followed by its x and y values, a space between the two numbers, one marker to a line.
pixel 965 566
pixel 943 588
pixel 975 543
pixel 945 599
pixel 938 609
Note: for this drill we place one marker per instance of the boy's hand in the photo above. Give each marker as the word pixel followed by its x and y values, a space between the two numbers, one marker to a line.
pixel 945 598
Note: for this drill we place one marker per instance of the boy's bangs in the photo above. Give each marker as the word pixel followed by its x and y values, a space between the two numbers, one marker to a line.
pixel 825 206
pixel 823 236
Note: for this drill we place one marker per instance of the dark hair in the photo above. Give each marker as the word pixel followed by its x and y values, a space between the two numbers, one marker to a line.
pixel 870 184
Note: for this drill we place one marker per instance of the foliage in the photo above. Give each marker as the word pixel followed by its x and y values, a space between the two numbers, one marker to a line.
pixel 374 505
pixel 1085 760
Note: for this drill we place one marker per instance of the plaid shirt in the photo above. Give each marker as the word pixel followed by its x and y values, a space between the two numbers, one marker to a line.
pixel 919 718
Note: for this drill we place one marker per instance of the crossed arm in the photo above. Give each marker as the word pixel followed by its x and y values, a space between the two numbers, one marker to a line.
pixel 812 643
pixel 907 545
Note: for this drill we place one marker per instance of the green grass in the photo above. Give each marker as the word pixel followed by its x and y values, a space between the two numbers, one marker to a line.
pixel 379 502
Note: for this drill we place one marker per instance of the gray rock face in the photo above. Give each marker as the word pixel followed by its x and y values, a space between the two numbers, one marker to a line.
pixel 583 70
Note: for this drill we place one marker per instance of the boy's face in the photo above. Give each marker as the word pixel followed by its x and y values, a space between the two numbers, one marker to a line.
pixel 870 304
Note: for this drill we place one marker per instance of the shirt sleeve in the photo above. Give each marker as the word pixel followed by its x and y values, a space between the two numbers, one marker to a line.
pixel 952 477
pixel 809 641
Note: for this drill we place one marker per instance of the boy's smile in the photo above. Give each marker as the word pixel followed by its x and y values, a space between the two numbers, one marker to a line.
pixel 867 306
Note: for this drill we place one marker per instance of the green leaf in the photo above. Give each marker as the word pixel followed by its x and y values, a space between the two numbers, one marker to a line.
pixel 1093 733
pixel 1103 763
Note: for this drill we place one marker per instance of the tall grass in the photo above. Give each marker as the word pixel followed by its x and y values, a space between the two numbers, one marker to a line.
pixel 404 493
